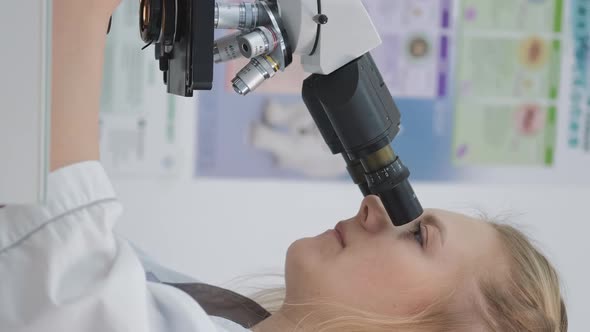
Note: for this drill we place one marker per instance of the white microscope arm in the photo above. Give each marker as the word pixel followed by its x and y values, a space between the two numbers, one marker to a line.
pixel 348 34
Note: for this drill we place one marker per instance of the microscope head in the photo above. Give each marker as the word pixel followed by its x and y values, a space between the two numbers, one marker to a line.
pixel 322 32
pixel 346 95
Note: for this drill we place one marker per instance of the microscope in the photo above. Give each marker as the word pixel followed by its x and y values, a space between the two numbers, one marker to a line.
pixel 345 92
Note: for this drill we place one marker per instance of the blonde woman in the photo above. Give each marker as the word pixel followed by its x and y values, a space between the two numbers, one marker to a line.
pixel 449 273
pixel 63 269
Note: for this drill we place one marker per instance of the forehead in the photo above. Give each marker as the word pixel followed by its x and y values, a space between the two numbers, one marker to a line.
pixel 469 242
pixel 463 222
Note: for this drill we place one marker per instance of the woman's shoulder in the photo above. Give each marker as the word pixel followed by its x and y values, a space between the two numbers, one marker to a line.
pixel 74 191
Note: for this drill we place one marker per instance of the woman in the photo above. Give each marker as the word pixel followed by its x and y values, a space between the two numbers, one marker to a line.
pixel 451 273
pixel 63 269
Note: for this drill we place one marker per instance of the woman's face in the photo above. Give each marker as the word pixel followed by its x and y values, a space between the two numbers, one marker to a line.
pixel 369 264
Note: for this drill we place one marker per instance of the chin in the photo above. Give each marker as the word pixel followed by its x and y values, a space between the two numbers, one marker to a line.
pixel 303 269
pixel 302 257
pixel 299 252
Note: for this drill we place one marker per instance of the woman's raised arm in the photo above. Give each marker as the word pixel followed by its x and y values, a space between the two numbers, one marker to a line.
pixel 79 36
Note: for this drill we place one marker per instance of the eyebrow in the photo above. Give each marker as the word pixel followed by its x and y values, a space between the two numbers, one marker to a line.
pixel 437 222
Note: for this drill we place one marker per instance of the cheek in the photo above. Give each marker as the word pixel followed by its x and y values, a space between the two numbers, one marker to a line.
pixel 382 276
pixel 383 264
pixel 391 278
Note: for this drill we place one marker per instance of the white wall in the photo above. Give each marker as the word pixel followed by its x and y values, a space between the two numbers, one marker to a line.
pixel 219 230
pixel 24 93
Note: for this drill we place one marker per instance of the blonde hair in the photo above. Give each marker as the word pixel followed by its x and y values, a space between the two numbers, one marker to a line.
pixel 526 299
pixel 529 298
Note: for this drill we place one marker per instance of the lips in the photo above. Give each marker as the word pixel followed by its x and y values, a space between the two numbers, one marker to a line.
pixel 341 234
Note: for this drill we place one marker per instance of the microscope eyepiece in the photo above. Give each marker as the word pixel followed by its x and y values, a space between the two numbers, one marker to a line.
pixel 387 177
pixel 358 118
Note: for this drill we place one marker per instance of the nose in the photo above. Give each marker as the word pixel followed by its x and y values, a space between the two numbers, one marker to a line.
pixel 372 214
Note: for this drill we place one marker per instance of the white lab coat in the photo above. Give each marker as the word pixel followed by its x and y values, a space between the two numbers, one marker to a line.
pixel 63 269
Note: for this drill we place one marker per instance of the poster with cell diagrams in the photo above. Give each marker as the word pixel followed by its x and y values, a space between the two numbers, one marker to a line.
pixel 144 131
pixel 508 71
pixel 515 117
pixel 485 88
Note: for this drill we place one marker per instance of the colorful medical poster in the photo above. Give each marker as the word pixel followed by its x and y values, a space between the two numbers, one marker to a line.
pixel 521 102
pixel 514 80
pixel 415 46
pixel 507 83
pixel 269 133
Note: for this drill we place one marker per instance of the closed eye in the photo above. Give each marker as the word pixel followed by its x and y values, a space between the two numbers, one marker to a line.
pixel 418 237
pixel 417 234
